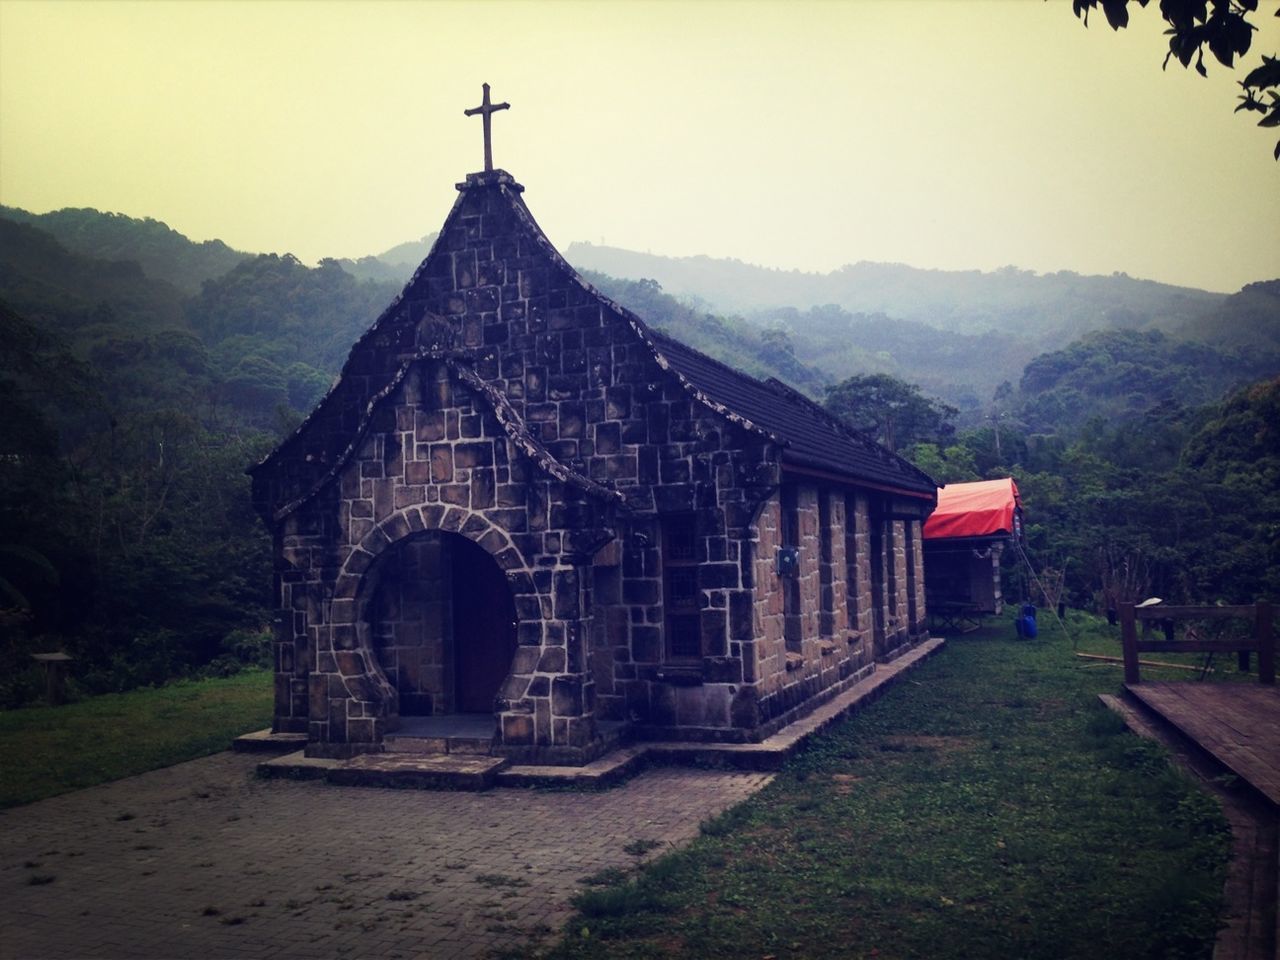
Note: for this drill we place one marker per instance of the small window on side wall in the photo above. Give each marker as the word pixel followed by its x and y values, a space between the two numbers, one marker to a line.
pixel 680 593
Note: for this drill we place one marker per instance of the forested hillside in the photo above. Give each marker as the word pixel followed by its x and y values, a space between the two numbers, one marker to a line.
pixel 1050 306
pixel 162 252
pixel 761 353
pixel 135 397
pixel 131 412
pixel 960 334
pixel 1182 503
pixel 1127 375
pixel 392 266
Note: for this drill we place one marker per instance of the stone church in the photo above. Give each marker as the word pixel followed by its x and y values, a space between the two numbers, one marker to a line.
pixel 520 502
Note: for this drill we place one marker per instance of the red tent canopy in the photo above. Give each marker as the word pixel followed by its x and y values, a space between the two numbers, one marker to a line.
pixel 982 509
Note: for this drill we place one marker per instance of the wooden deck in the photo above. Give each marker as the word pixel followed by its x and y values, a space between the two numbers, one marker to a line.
pixel 1238 723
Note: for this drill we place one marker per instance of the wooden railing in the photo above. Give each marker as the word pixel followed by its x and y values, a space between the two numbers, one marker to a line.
pixel 1262 641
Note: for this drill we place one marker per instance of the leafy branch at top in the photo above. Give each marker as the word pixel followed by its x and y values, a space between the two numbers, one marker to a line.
pixel 1221 25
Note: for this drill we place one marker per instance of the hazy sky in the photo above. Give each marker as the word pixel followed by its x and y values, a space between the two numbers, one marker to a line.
pixel 953 134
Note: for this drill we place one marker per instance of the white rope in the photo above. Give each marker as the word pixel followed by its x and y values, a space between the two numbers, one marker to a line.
pixel 1044 593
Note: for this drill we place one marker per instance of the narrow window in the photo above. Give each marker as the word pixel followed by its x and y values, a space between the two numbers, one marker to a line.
pixel 826 573
pixel 792 621
pixel 680 587
pixel 852 586
pixel 909 542
pixel 878 525
pixel 891 566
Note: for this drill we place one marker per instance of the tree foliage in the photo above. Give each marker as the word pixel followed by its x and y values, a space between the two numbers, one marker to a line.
pixel 1123 375
pixel 1182 503
pixel 731 340
pixel 1223 27
pixel 892 411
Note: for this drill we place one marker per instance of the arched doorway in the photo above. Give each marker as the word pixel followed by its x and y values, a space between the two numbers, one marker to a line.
pixel 484 628
pixel 442 623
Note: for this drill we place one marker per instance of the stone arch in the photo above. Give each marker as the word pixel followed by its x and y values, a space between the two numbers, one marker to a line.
pixel 356 657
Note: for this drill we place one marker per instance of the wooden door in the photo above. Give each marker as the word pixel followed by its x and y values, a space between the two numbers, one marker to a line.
pixel 484 636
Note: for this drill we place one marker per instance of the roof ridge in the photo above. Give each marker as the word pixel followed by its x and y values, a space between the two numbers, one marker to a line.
pixel 663 335
pixel 825 414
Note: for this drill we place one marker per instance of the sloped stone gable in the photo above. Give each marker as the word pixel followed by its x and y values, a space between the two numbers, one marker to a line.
pixel 502 400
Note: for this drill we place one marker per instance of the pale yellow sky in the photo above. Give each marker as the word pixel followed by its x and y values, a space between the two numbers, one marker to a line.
pixel 955 134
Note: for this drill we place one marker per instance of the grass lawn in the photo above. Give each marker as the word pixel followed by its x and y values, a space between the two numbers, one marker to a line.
pixel 1093 635
pixel 987 807
pixel 49 750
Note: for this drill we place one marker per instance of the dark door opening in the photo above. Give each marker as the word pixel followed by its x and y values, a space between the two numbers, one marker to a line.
pixel 484 633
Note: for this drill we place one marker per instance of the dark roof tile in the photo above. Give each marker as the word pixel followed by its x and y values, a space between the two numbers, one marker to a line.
pixel 814 438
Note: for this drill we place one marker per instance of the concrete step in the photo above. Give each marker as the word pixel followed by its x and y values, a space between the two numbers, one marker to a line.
pixel 264 741
pixel 297 766
pixel 614 767
pixel 422 771
pixel 467 746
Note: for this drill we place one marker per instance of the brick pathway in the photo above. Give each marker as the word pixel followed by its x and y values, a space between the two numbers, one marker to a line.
pixel 204 860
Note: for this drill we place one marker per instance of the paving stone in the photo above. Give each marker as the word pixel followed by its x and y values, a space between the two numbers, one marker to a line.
pixel 294 871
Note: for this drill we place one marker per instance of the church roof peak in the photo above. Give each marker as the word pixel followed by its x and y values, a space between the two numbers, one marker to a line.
pixel 490 178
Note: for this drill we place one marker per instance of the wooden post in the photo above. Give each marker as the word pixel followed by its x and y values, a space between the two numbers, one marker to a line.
pixel 1129 640
pixel 54 665
pixel 1266 643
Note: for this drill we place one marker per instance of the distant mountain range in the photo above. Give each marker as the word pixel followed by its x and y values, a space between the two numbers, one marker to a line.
pixel 165 254
pixel 958 334
pixel 1056 305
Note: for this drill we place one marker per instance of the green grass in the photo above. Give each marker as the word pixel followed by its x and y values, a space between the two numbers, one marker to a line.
pixel 987 807
pixel 45 751
pixel 1093 635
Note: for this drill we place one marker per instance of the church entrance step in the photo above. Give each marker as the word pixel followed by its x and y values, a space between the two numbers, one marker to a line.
pixel 421 771
pixel 451 733
pixel 467 746
pixel 264 741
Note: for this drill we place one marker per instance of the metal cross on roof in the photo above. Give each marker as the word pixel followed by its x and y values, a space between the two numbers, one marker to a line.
pixel 486 109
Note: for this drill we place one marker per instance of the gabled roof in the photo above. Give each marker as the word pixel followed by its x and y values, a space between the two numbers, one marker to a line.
pixel 811 436
pixel 311 457
pixel 984 508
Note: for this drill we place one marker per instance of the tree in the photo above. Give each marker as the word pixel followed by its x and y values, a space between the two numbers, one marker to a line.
pixel 1221 25
pixel 893 411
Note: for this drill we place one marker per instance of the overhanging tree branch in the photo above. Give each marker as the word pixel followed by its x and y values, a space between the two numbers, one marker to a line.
pixel 1221 25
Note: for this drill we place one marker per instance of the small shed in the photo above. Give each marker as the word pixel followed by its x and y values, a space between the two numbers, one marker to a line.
pixel 963 541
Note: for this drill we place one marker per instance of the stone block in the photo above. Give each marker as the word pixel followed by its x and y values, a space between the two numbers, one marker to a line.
pixel 662 705
pixel 566 696
pixel 744 710
pixel 517 730
pixel 553 660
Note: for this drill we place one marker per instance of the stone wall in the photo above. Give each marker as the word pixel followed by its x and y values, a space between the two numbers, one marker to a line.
pixel 528 414
pixel 501 399
pixel 919 625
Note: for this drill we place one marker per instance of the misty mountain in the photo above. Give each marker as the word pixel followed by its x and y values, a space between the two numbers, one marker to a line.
pixel 959 334
pixel 741 345
pixel 1128 375
pixel 162 252
pixel 1247 320
pixel 1054 308
pixel 64 291
pixel 391 266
